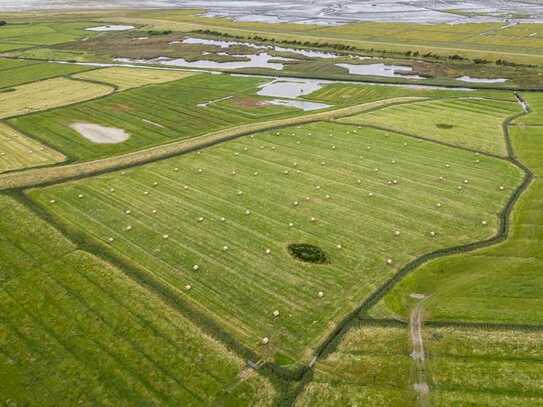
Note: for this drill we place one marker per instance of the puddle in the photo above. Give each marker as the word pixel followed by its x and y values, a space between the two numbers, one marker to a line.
pixel 261 60
pixel 480 80
pixel 111 28
pixel 100 134
pixel 289 89
pixel 228 44
pixel 389 71
pixel 299 104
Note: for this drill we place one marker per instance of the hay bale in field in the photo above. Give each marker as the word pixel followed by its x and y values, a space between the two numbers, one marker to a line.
pixel 265 340
pixel 188 287
pixel 276 313
pixel 320 294
pixel 268 251
pixel 195 267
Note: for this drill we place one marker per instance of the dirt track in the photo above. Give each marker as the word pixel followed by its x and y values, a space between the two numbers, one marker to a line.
pixel 420 384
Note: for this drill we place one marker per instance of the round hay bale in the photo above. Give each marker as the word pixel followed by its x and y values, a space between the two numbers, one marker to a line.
pixel 201 219
pixel 195 267
pixel 225 248
pixel 268 251
pixel 276 313
pixel 502 188
pixel 265 340
pixel 188 287
pixel 320 294
pixel 389 261
pixel 165 236
pixel 52 201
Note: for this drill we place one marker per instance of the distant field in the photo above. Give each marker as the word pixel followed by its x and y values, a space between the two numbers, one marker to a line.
pixel 18 151
pixel 48 94
pixel 471 123
pixel 153 115
pixel 485 367
pixel 241 287
pixel 44 33
pixel 126 78
pixel 14 72
pixel 371 367
pixel 76 330
pixel 500 284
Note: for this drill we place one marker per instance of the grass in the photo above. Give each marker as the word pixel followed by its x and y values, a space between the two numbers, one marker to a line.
pixel 76 330
pixel 18 151
pixel 152 115
pixel 477 123
pixel 240 287
pixel 370 367
pixel 483 367
pixel 350 93
pixel 48 94
pixel 501 284
pixel 44 33
pixel 13 72
pixel 535 118
pixel 127 78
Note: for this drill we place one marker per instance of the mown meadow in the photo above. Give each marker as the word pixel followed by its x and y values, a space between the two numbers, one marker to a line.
pixel 152 115
pixel 76 330
pixel 212 227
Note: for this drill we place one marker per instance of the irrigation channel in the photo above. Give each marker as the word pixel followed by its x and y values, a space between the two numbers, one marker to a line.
pixel 293 383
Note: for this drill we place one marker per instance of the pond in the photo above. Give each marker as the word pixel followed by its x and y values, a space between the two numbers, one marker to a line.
pixel 481 80
pixel 103 28
pixel 389 71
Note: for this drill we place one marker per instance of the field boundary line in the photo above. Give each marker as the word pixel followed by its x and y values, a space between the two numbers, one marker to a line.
pixel 58 174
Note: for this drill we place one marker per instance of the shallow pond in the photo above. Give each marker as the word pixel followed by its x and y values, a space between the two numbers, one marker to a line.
pixel 99 134
pixel 103 28
pixel 480 80
pixel 389 71
pixel 290 88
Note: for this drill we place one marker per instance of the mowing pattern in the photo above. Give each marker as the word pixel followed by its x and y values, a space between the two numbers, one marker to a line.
pixel 48 94
pixel 482 367
pixel 153 115
pixel 477 123
pixel 77 331
pixel 126 78
pixel 220 221
pixel 18 151
pixel 370 368
pixel 16 72
pixel 473 287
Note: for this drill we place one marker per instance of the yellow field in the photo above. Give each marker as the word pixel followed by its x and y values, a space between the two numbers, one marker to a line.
pixel 18 151
pixel 47 94
pixel 126 78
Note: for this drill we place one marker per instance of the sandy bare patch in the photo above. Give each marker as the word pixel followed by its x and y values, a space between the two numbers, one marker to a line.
pixel 100 134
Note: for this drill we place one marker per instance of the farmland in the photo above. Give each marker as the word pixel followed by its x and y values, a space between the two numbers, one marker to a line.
pixel 371 366
pixel 485 367
pixel 17 72
pixel 18 151
pixel 76 330
pixel 127 78
pixel 175 237
pixel 470 123
pixel 151 115
pixel 301 173
pixel 468 287
pixel 48 94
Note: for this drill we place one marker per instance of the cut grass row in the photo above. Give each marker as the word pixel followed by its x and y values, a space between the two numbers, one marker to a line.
pixel 472 123
pixel 75 330
pixel 48 94
pixel 18 151
pixel 241 287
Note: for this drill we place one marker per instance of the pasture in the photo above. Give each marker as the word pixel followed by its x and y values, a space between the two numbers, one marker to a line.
pixel 152 115
pixel 472 123
pixel 76 330
pixel 370 367
pixel 473 366
pixel 473 286
pixel 220 222
pixel 18 151
pixel 17 72
pixel 127 78
pixel 48 94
